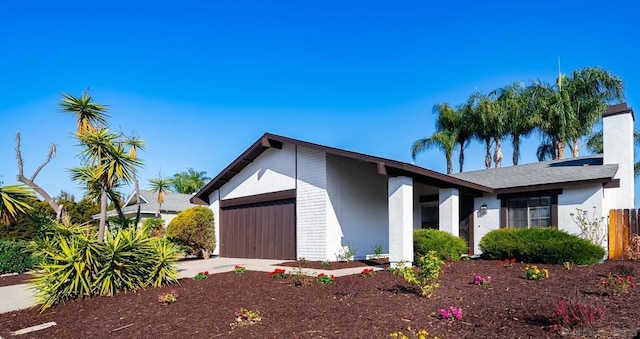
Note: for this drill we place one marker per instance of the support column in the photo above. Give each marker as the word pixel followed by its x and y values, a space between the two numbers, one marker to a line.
pixel 400 220
pixel 449 211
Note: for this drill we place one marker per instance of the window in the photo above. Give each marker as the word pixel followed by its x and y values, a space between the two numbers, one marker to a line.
pixel 429 214
pixel 529 209
pixel 529 212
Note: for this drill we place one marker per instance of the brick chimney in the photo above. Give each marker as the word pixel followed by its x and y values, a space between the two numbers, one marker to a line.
pixel 617 134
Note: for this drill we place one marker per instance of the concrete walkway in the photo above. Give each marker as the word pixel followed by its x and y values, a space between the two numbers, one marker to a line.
pixel 18 297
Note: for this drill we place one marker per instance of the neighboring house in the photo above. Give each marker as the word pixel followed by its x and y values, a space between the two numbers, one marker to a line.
pixel 285 198
pixel 174 203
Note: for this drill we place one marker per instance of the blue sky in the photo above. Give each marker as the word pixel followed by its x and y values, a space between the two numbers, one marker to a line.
pixel 203 80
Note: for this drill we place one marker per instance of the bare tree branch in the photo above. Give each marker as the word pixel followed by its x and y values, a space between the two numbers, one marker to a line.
pixel 51 155
pixel 58 209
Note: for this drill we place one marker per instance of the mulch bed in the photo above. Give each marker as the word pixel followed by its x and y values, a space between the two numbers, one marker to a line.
pixel 334 265
pixel 510 307
pixel 15 279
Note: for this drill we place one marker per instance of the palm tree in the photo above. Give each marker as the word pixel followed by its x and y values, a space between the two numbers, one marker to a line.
pixel 160 186
pixel 480 126
pixel 445 140
pixel 189 182
pixel 454 120
pixel 555 116
pixel 13 201
pixel 90 115
pixel 516 101
pixel 590 90
pixel 135 144
pixel 107 165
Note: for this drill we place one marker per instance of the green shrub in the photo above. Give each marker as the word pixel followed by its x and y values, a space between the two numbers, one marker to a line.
pixel 153 226
pixel 15 256
pixel 194 228
pixel 74 264
pixel 540 245
pixel 446 246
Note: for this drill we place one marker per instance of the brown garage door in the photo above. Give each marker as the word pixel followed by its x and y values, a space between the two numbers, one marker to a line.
pixel 260 230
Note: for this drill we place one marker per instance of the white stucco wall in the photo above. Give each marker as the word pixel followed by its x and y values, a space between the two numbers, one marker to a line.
pixel 400 195
pixel 584 197
pixel 358 200
pixel 618 149
pixel 214 199
pixel 449 211
pixel 311 204
pixel 274 170
pixel 486 223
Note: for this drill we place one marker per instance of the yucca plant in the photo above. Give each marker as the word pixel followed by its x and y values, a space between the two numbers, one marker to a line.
pixel 74 264
pixel 125 263
pixel 67 269
pixel 163 271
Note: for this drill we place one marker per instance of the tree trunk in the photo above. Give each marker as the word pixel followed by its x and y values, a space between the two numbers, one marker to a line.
pixel 487 157
pixel 497 155
pixel 561 146
pixel 516 149
pixel 575 150
pixel 449 164
pixel 461 157
pixel 103 215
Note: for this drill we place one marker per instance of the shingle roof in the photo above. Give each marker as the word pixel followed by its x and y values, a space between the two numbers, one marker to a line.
pixel 587 168
pixel 173 203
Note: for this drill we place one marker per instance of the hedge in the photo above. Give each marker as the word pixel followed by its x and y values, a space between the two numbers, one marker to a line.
pixel 15 256
pixel 446 246
pixel 540 245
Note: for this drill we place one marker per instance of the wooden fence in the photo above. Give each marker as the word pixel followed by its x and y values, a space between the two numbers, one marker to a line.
pixel 622 225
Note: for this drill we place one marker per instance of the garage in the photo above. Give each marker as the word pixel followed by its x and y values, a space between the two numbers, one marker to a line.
pixel 263 230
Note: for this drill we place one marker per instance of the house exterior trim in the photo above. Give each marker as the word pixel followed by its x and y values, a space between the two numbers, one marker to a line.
pixel 258 198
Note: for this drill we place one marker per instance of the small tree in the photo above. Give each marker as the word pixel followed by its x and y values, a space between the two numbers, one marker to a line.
pixel 194 228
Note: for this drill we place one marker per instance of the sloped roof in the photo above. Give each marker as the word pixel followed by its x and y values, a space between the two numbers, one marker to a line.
pixel 385 166
pixel 173 203
pixel 566 171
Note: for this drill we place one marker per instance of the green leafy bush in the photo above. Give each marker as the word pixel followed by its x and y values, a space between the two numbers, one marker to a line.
pixel 15 256
pixel 74 264
pixel 194 228
pixel 425 276
pixel 153 226
pixel 540 245
pixel 446 246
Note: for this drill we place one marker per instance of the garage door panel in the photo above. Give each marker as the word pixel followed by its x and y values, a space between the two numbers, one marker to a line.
pixel 265 230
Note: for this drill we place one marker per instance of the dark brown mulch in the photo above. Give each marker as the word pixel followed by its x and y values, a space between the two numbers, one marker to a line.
pixel 510 307
pixel 16 279
pixel 334 265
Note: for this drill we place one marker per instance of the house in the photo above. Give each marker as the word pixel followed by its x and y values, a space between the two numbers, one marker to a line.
pixel 285 198
pixel 174 203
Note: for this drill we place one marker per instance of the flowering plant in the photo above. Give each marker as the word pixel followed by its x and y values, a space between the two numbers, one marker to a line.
pixel 246 317
pixel 239 269
pixel 325 263
pixel 325 279
pixel 168 298
pixel 278 273
pixel 367 272
pixel 201 275
pixel 451 313
pixel 534 273
pixel 303 260
pixel 411 334
pixel 615 284
pixel 482 281
pixel 507 263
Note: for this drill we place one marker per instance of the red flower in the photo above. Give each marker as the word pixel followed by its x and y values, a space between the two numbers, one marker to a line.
pixel 513 260
pixel 206 272
pixel 499 263
pixel 320 275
